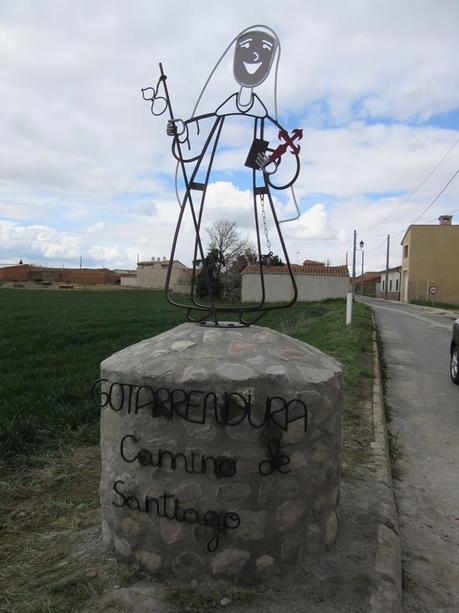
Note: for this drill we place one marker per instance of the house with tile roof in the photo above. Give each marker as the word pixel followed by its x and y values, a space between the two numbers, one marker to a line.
pixel 151 274
pixel 314 282
pixel 368 283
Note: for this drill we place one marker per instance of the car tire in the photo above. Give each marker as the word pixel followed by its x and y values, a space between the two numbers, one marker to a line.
pixel 454 364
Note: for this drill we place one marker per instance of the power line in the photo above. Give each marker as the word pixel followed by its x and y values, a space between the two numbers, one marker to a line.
pixel 412 193
pixel 423 212
pixel 431 203
pixel 450 213
pixel 437 196
pixel 380 245
pixel 416 189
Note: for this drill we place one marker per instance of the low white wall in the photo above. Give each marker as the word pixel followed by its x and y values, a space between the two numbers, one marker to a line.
pixel 153 277
pixel 181 288
pixel 279 287
pixel 128 281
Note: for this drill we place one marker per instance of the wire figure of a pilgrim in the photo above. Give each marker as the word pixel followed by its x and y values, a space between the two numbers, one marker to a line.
pixel 239 143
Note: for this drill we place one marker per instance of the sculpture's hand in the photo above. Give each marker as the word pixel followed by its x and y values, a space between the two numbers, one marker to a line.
pixel 175 127
pixel 262 160
pixel 265 164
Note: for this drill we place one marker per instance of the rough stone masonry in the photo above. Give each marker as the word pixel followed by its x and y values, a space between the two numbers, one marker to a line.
pixel 220 452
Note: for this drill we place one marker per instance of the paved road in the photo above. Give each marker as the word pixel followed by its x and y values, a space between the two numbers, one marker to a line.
pixel 426 415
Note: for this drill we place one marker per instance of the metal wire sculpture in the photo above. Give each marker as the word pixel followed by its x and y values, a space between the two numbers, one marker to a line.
pixel 256 50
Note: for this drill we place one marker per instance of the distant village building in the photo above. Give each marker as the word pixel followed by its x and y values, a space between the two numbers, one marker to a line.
pixel 151 274
pixel 16 273
pixel 430 256
pixel 393 284
pixel 374 284
pixel 315 282
pixel 85 276
pixel 367 283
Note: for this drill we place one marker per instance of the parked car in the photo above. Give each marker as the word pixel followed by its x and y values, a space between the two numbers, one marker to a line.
pixel 454 364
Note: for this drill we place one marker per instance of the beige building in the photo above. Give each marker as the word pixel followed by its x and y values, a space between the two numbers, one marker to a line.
pixel 314 283
pixel 430 257
pixel 151 274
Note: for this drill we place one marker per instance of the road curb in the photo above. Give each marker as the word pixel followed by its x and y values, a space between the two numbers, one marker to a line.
pixel 388 563
pixel 421 307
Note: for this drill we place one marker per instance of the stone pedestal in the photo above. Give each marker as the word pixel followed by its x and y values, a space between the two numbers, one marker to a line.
pixel 220 452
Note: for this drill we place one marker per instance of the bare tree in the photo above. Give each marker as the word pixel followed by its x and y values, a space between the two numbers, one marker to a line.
pixel 224 236
pixel 234 254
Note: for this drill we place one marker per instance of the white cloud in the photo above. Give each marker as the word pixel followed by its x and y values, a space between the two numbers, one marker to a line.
pixel 37 239
pixel 315 224
pixel 95 228
pixel 363 158
pixel 85 167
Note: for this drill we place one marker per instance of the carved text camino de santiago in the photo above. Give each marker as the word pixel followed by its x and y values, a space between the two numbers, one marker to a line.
pixel 195 406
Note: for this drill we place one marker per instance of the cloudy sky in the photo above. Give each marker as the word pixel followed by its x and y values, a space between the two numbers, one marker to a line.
pixel 86 169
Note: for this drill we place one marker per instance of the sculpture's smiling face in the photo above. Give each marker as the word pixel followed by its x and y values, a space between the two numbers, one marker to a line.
pixel 253 58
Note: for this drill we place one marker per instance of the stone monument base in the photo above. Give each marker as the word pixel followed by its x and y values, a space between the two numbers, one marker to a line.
pixel 220 452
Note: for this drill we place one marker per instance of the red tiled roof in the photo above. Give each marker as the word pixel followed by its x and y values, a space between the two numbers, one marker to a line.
pixel 369 276
pixel 329 271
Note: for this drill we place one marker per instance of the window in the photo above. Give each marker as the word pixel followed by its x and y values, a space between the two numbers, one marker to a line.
pixel 405 251
pixel 382 286
pixel 396 285
pixel 390 285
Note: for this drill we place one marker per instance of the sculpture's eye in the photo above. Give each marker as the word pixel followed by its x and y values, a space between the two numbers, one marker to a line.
pixel 245 44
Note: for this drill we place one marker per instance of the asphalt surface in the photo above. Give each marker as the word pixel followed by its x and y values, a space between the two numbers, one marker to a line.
pixel 425 418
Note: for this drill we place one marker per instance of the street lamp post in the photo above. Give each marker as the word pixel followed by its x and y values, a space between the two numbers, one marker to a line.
pixel 361 245
pixel 353 265
pixel 387 268
pixel 350 296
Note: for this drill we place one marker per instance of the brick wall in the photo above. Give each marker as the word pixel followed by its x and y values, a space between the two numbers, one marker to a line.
pixel 14 273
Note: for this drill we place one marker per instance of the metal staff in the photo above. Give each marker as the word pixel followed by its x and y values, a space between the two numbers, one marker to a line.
pixel 162 79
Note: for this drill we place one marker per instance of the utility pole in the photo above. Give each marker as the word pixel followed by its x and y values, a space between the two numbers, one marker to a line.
pixel 361 277
pixel 81 261
pixel 350 295
pixel 387 268
pixel 353 263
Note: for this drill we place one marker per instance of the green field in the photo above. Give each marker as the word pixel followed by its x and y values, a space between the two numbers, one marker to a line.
pixel 52 343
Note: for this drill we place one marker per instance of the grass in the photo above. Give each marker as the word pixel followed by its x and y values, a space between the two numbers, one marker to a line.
pixel 50 349
pixel 53 342
pixel 393 438
pixel 46 511
pixel 434 303
pixel 194 601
